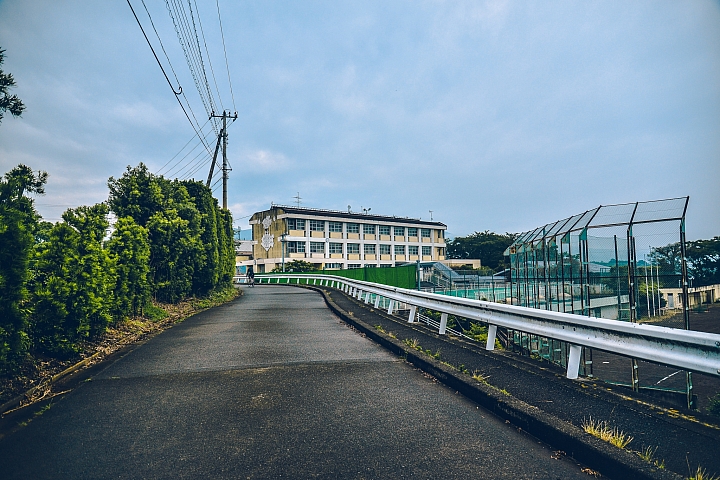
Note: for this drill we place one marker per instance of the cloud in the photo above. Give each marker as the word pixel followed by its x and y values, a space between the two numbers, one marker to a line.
pixel 265 161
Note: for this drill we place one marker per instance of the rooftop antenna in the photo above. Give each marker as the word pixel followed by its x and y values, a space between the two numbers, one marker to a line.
pixel 430 214
pixel 366 210
pixel 349 207
pixel 297 198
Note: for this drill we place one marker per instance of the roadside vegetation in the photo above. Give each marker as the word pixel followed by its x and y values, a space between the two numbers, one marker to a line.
pixel 65 286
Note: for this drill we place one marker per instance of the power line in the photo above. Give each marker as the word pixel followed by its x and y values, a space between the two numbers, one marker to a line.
pixel 183 148
pixel 176 164
pixel 192 52
pixel 171 66
pixel 163 70
pixel 222 35
pixel 207 54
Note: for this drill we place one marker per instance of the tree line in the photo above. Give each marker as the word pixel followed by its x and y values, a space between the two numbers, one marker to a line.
pixel 62 283
pixel 486 246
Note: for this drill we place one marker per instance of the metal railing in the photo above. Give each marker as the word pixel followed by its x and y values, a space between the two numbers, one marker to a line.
pixel 684 349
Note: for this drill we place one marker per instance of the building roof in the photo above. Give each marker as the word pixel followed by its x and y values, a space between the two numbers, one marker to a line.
pixel 356 216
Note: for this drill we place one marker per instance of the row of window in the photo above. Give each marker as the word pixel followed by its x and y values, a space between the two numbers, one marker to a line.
pixel 369 248
pixel 319 226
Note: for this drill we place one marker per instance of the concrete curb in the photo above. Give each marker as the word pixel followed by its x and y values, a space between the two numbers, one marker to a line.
pixel 591 451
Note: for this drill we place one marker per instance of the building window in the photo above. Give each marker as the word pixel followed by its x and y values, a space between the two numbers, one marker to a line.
pixel 317 225
pixel 296 247
pixel 334 226
pixel 384 229
pixel 333 266
pixel 440 234
pixel 426 251
pixel 353 248
pixel 386 265
pixel 412 250
pixel 296 223
pixel 354 265
pixel 369 229
pixel 441 251
pixel 335 247
pixel 425 232
pixel 385 249
pixel 369 249
pixel 412 232
pixel 353 227
pixel 317 247
pixel 399 249
pixel 399 231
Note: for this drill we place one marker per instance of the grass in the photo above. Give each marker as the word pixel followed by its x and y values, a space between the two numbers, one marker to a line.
pixel 713 407
pixel 155 313
pixel 701 474
pixel 603 431
pixel 43 409
pixel 648 454
pixel 480 377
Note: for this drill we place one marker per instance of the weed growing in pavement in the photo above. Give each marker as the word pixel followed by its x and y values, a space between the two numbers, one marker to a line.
pixel 43 409
pixel 414 343
pixel 480 377
pixel 605 432
pixel 713 407
pixel 648 454
pixel 379 328
pixel 392 335
pixel 701 474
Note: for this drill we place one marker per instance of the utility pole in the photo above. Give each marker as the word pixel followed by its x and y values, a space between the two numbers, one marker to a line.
pixel 225 168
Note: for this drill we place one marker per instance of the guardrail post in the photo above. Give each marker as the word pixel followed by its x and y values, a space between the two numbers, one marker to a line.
pixel 391 306
pixel 367 297
pixel 492 332
pixel 411 318
pixel 443 323
pixel 377 301
pixel 573 365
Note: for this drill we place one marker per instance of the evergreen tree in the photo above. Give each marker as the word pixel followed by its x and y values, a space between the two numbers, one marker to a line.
pixel 129 249
pixel 74 281
pixel 8 103
pixel 18 225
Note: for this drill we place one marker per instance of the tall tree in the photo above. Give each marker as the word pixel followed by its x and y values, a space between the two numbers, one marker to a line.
pixel 704 261
pixel 74 281
pixel 137 194
pixel 8 103
pixel 18 225
pixel 129 249
pixel 487 246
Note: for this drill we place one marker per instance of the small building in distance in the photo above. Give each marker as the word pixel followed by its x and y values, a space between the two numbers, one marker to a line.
pixel 331 239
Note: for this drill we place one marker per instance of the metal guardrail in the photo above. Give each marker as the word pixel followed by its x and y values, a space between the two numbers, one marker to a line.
pixel 684 349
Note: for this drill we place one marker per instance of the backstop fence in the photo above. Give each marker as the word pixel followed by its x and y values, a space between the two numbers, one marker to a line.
pixel 610 262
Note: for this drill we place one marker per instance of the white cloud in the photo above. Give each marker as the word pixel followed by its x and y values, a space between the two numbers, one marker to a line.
pixel 265 161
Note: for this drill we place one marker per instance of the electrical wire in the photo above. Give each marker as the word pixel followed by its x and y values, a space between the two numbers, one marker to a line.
pixel 163 70
pixel 207 54
pixel 170 63
pixel 222 35
pixel 183 148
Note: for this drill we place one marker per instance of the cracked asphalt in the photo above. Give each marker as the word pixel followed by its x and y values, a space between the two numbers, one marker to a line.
pixel 272 385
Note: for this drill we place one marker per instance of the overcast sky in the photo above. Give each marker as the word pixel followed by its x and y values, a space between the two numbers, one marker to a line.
pixel 494 115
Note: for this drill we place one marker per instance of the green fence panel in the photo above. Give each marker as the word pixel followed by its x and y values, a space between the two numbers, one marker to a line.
pixel 403 277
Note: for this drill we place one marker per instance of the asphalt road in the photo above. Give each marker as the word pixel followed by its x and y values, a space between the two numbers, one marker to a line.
pixel 272 385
